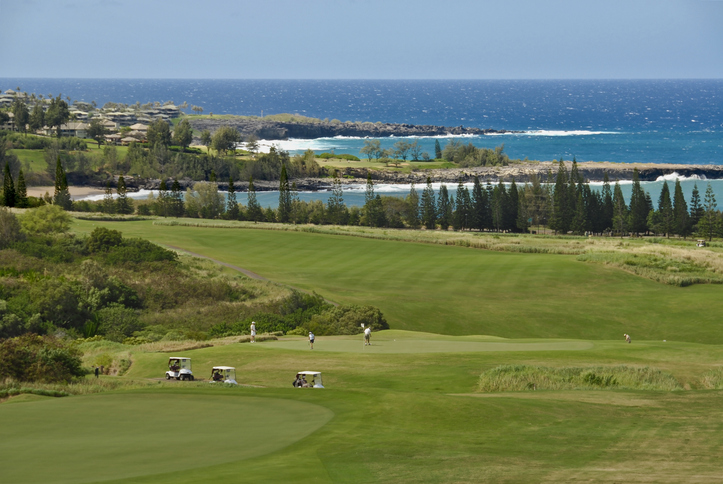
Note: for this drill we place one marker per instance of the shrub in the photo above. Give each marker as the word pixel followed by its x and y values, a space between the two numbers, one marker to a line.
pixel 118 322
pixel 46 219
pixel 36 358
pixel 9 228
pixel 102 238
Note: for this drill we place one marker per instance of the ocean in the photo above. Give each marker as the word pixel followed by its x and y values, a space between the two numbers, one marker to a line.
pixel 623 121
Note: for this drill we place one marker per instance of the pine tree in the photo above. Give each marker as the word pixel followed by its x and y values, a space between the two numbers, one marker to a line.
pixel 429 206
pixel 336 210
pixel 108 205
pixel 620 211
pixel 232 211
pixel 513 206
pixel 708 223
pixel 665 209
pixel 62 194
pixel 444 208
pixel 607 208
pixel 488 223
pixel 696 209
pixel 561 210
pixel 296 204
pixel 479 205
pixel 437 150
pixel 9 195
pixel 176 207
pixel 372 205
pixel 253 208
pixel 284 210
pixel 21 191
pixel 639 208
pixel 411 215
pixel 500 203
pixel 123 205
pixel 164 201
pixel 579 220
pixel 680 212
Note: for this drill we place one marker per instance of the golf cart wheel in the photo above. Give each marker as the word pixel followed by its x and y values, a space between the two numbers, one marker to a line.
pixel 179 378
pixel 168 377
pixel 190 377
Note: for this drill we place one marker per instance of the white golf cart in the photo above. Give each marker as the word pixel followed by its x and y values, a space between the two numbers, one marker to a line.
pixel 179 367
pixel 223 374
pixel 313 378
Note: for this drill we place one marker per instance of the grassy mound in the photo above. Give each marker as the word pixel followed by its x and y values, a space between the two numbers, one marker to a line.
pixel 526 377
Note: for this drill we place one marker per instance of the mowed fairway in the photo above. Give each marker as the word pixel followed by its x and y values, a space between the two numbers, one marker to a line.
pixel 456 291
pixel 109 436
pixel 397 417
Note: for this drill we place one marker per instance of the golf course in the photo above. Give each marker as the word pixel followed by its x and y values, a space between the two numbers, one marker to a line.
pixel 499 366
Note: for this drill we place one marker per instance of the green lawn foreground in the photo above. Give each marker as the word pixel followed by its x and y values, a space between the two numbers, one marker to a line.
pixel 384 417
pixel 456 290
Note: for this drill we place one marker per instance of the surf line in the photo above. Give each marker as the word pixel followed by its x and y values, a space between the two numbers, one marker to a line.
pixel 243 271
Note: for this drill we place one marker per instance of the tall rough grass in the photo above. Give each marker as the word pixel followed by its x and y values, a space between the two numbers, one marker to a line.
pixel 508 378
pixel 712 379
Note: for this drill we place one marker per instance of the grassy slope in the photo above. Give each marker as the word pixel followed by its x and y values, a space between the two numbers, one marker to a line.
pixel 454 290
pixel 397 418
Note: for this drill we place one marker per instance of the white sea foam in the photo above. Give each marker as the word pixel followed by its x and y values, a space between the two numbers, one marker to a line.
pixel 139 195
pixel 553 133
pixel 674 176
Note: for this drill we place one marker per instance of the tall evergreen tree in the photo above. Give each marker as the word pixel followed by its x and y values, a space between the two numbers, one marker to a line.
pixel 411 215
pixel 579 220
pixel 620 211
pixel 499 207
pixel 561 216
pixel 252 207
pixel 680 212
pixel 429 206
pixel 108 205
pixel 372 212
pixel 284 210
pixel 513 207
pixel 639 207
pixel 232 211
pixel 176 207
pixel 123 205
pixel 296 204
pixel 437 150
pixel 696 208
pixel 21 191
pixel 336 210
pixel 607 204
pixel 9 195
pixel 479 208
pixel 488 222
pixel 444 208
pixel 163 202
pixel 62 194
pixel 665 209
pixel 708 223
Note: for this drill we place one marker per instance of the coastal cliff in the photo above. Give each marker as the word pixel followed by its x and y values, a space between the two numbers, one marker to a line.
pixel 267 129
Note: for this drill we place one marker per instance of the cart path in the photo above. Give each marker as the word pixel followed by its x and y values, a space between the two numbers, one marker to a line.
pixel 243 271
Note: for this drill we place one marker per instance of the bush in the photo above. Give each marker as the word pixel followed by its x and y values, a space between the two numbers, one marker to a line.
pixel 137 251
pixel 102 238
pixel 347 320
pixel 34 358
pixel 118 322
pixel 326 156
pixel 47 219
pixel 9 228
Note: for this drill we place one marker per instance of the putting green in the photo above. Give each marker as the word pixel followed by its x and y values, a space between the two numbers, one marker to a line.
pixel 113 436
pixel 443 344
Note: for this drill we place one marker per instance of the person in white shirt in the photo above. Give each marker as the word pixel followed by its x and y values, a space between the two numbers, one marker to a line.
pixel 367 336
pixel 253 331
pixel 311 340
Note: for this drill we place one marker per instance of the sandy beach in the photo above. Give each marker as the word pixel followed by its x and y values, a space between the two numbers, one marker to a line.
pixel 76 193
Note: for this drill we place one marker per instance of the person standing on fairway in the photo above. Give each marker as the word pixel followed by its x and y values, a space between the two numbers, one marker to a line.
pixel 311 340
pixel 368 336
pixel 253 331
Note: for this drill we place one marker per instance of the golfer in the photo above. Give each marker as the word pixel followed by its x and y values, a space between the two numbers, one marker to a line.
pixel 367 336
pixel 311 340
pixel 253 331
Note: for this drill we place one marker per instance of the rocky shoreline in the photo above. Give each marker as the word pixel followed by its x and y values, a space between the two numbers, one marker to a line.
pixel 275 130
pixel 521 173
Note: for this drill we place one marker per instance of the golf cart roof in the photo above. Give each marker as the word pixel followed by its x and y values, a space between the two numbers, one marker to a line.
pixel 224 368
pixel 179 358
pixel 309 373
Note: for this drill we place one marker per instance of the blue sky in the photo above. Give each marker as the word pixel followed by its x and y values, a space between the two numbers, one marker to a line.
pixel 362 39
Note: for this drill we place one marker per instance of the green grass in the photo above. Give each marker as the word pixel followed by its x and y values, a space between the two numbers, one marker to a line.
pixel 397 417
pixel 457 290
pixel 34 158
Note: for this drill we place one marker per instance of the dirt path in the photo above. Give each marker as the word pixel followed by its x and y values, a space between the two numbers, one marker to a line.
pixel 243 271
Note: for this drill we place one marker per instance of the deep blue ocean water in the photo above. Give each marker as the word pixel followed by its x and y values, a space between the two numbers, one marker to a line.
pixel 646 121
